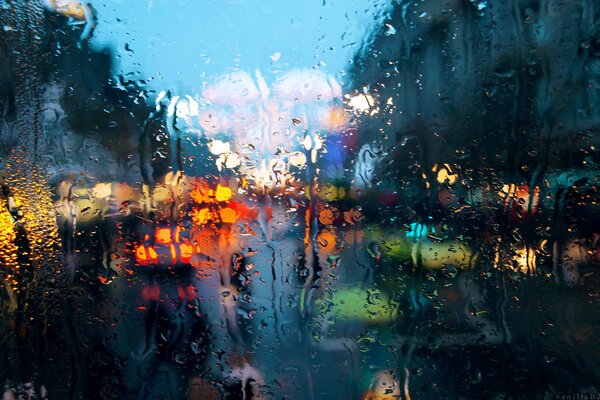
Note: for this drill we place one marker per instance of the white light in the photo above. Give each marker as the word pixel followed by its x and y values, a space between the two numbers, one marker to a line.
pixel 297 159
pixel 218 147
pixel 307 142
pixel 159 98
pixel 187 107
pixel 171 109
pixel 361 102
pixel 102 190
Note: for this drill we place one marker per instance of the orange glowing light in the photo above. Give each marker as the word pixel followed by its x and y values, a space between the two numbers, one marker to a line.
pixel 336 118
pixel 352 216
pixel 145 255
pixel 153 255
pixel 518 199
pixel 202 195
pixel 140 255
pixel 307 229
pixel 163 235
pixel 173 253
pixel 327 242
pixel 185 252
pixel 204 241
pixel 326 216
pixel 228 215
pixel 243 211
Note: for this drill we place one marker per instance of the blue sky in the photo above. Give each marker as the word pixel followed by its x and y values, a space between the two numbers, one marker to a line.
pixel 181 44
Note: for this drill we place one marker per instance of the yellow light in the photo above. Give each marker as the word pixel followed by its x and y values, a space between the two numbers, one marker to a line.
pixel 223 193
pixel 445 174
pixel 29 184
pixel 8 250
pixel 434 255
pixel 525 258
pixel 200 216
pixel 68 8
pixel 140 255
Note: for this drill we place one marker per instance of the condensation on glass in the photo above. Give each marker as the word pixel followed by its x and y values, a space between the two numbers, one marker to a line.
pixel 314 199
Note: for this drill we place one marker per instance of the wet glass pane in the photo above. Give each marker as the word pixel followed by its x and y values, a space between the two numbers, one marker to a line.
pixel 299 199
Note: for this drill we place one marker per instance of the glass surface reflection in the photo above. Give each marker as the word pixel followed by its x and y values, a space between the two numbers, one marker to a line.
pixel 299 200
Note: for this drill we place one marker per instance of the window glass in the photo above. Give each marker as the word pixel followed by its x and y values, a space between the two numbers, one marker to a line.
pixel 299 199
